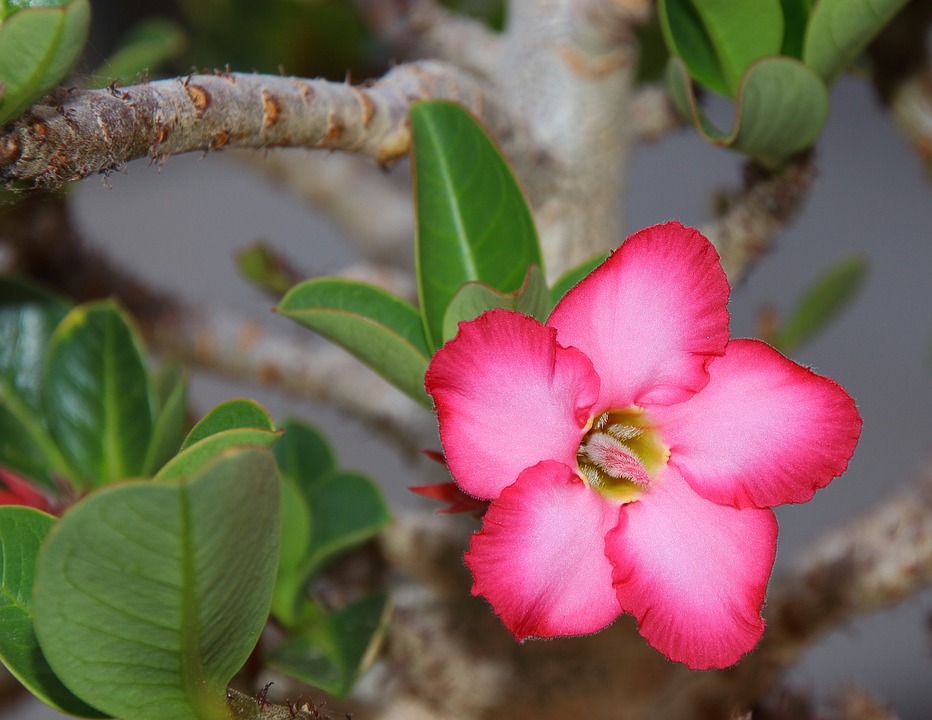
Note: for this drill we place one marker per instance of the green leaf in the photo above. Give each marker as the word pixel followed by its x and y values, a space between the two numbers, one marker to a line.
pixel 719 39
pixel 347 509
pixel 150 596
pixel 568 280
pixel 381 330
pixel 821 303
pixel 781 108
pixel 98 395
pixel 795 19
pixel 473 223
pixel 265 268
pixel 172 393
pixel 304 453
pixel 840 29
pixel 22 531
pixel 296 538
pixel 192 458
pixel 145 47
pixel 235 414
pixel 28 315
pixel 334 652
pixel 38 46
pixel 474 298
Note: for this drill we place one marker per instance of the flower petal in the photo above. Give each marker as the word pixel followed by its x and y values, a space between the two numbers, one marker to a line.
pixel 764 431
pixel 540 556
pixel 693 573
pixel 507 397
pixel 650 317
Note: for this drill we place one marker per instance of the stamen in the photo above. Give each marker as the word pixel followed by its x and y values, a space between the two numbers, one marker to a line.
pixel 624 432
pixel 614 458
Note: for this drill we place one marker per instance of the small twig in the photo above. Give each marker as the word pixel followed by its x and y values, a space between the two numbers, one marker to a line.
pixel 911 108
pixel 83 132
pixel 754 216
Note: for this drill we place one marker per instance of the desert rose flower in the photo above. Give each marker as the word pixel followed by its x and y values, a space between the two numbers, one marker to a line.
pixel 631 453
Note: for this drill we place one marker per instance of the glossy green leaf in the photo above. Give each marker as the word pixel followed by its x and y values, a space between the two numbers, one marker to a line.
pixel 22 531
pixel 840 29
pixel 795 20
pixel 144 48
pixel 821 303
pixel 474 298
pixel 473 223
pixel 334 652
pixel 782 106
pixel 303 452
pixel 192 458
pixel 379 329
pixel 347 509
pixel 568 280
pixel 98 396
pixel 296 538
pixel 38 46
pixel 172 396
pixel 239 413
pixel 28 315
pixel 719 39
pixel 150 596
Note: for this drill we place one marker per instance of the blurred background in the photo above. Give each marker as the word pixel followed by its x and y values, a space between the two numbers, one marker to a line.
pixel 179 225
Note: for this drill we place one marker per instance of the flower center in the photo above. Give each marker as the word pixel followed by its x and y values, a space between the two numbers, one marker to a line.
pixel 620 454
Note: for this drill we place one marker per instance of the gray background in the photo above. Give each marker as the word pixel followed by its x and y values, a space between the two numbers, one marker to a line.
pixel 179 226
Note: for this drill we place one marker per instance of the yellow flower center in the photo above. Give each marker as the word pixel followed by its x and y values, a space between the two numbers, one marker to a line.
pixel 620 454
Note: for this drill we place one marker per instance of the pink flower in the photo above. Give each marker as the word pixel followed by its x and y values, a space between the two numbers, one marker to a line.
pixel 631 453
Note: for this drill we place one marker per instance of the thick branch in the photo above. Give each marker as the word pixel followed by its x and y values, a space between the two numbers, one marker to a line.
pixel 747 228
pixel 425 29
pixel 84 132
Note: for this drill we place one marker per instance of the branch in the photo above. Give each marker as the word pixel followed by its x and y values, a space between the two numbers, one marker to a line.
pixel 91 131
pixel 750 223
pixel 339 186
pixel 45 245
pixel 911 108
pixel 425 29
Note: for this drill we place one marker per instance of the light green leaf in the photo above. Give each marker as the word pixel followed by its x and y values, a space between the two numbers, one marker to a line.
pixel 192 458
pixel 239 413
pixel 265 268
pixel 98 396
pixel 172 394
pixel 296 538
pixel 840 29
pixel 781 108
pixel 473 223
pixel 821 303
pixel 22 531
pixel 38 46
pixel 150 596
pixel 145 47
pixel 474 298
pixel 719 39
pixel 568 280
pixel 334 652
pixel 379 329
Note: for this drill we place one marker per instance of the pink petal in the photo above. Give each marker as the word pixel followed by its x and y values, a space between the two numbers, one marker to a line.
pixel 693 573
pixel 540 557
pixel 507 397
pixel 764 431
pixel 650 317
